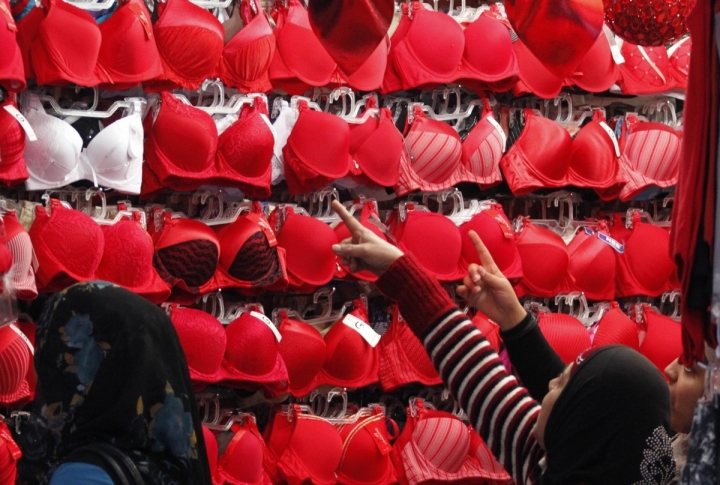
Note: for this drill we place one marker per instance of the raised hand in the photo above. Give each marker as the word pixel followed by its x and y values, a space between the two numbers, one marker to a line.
pixel 365 249
pixel 487 289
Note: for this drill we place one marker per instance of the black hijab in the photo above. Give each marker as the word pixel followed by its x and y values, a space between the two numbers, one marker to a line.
pixel 608 426
pixel 111 369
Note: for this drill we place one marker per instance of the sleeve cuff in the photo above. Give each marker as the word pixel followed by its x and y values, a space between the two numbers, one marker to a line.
pixel 519 330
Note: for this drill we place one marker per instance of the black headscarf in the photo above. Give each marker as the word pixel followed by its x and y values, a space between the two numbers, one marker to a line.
pixel 608 426
pixel 111 369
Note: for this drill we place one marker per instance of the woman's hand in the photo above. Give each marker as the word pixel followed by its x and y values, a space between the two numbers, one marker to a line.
pixel 487 289
pixel 365 249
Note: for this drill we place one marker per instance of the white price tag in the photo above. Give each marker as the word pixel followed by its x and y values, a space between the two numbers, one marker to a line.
pixel 22 120
pixel 365 330
pixel 269 323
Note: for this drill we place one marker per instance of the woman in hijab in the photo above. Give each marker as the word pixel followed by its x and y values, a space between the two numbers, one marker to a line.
pixel 603 419
pixel 111 372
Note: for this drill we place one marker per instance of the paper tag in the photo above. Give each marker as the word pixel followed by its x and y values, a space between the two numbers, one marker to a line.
pixel 588 231
pixel 142 16
pixel 499 217
pixel 612 136
pixel 9 20
pixel 363 329
pixel 497 126
pixel 382 443
pixel 24 337
pixel 614 46
pixel 260 220
pixel 21 119
pixel 269 323
pixel 616 245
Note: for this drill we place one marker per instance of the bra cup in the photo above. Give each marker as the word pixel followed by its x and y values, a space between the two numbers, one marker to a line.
pixel 566 335
pixel 190 41
pixel 482 151
pixel 496 58
pixel 313 261
pixel 538 79
pixel 318 446
pixel 436 147
pixel 247 145
pixel 444 442
pixel 423 233
pixel 300 49
pixel 544 259
pixel 115 151
pixel 186 251
pixel 594 163
pixel 329 158
pixel 251 346
pixel 245 463
pixel 654 150
pixel 127 54
pixel 391 79
pixel 55 153
pixel 203 339
pixel 433 58
pixel 503 249
pixel 592 264
pixel 362 460
pixel 380 153
pixel 303 350
pixel 350 357
pixel 369 75
pixel 598 71
pixel 68 53
pixel 549 147
pixel 638 76
pixel 647 255
pixel 127 256
pixel 247 57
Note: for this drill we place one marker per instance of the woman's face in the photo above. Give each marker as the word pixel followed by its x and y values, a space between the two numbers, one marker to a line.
pixel 686 387
pixel 555 387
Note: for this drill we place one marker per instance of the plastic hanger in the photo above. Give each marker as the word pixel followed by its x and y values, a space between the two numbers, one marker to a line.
pixel 535 307
pixel 132 105
pixel 320 204
pixel 674 298
pixel 230 418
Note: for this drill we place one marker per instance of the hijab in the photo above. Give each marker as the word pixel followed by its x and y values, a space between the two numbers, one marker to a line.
pixel 111 369
pixel 609 424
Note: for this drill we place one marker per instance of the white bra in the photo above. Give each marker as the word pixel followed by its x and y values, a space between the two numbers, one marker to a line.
pixel 112 159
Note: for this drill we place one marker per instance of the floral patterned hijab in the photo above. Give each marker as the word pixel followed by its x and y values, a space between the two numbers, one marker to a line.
pixel 111 369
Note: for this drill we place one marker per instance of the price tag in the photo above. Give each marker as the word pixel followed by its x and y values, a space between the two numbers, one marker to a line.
pixel 616 245
pixel 142 16
pixel 365 330
pixel 21 119
pixel 499 216
pixel 269 323
pixel 260 220
pixel 497 126
pixel 612 136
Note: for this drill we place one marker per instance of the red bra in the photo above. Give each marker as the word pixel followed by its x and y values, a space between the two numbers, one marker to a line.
pixel 403 359
pixel 422 233
pixel 651 155
pixel 309 163
pixel 430 48
pixel 246 58
pixel 12 146
pixel 615 327
pixel 242 461
pixel 308 246
pixel 596 73
pixel 545 156
pixel 346 357
pixel 646 70
pixel 376 148
pixel 12 71
pixel 545 262
pixel 127 260
pixel 437 447
pixel 662 342
pixel 190 42
pixel 17 240
pixel 644 268
pixel 489 329
pixel 592 259
pixel 679 55
pixel 301 61
pixel 302 449
pixel 211 447
pixel 68 245
pixel 439 160
pixel 183 150
pixel 203 340
pixel 496 232
pixel 566 335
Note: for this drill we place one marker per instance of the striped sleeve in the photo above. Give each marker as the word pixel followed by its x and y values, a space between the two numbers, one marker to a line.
pixel 500 409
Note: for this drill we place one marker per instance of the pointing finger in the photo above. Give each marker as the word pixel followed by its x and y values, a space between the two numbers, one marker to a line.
pixel 352 224
pixel 486 258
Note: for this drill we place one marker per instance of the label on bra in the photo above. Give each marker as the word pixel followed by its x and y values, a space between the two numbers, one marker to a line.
pixel 365 330
pixel 502 221
pixel 269 323
pixel 612 136
pixel 29 132
pixel 260 220
pixel 142 16
pixel 491 119
pixel 377 434
pixel 616 245
pixel 9 20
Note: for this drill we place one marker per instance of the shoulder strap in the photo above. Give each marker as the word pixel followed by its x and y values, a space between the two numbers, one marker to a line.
pixel 121 465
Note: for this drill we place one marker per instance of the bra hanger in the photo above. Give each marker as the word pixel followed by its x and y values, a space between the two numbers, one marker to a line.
pixel 674 298
pixel 217 212
pixel 132 105
pixel 351 110
pixel 632 213
pixel 296 100
pixel 320 204
pixel 219 105
pixel 536 307
pixel 230 417
pixel 406 207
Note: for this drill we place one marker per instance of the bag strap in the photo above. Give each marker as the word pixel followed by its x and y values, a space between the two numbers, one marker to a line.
pixel 120 464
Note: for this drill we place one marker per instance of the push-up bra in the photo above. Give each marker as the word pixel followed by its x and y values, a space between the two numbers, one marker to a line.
pixel 592 257
pixel 301 61
pixel 679 54
pixel 243 459
pixel 615 327
pixel 12 70
pixel 13 169
pixel 646 70
pixel 184 151
pixel 566 335
pixel 113 158
pixel 18 242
